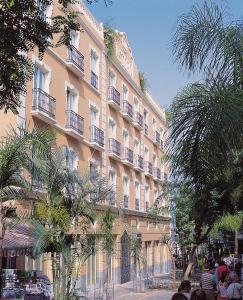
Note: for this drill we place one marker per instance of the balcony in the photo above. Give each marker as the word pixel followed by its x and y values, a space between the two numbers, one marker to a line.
pixel 148 168
pixel 147 205
pixel 145 129
pixel 94 80
pixel 156 138
pixel 136 204
pixel 114 149
pixel 138 121
pixel 114 98
pixel 75 61
pixel 127 111
pixel 157 174
pixel 96 137
pixel 139 162
pixel 126 201
pixel 128 156
pixel 44 106
pixel 74 124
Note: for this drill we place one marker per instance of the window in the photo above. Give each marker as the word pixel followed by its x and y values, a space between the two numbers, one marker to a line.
pixel 154 160
pixel 72 100
pixel 125 93
pixel 74 38
pixel 94 168
pixel 137 147
pixel 136 104
pixel 154 124
pixel 145 116
pixel 94 68
pixel 112 129
pixel 112 179
pixel 94 116
pixel 39 77
pixel 155 195
pixel 146 154
pixel 125 138
pixel 137 190
pixel 126 185
pixel 71 157
pixel 112 79
pixel 147 192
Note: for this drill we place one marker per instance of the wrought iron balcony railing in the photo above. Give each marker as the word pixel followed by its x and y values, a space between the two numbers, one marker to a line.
pixel 75 122
pixel 114 95
pixel 139 162
pixel 127 109
pixel 136 204
pixel 145 129
pixel 75 57
pixel 94 80
pixel 96 135
pixel 44 102
pixel 114 147
pixel 149 168
pixel 139 119
pixel 126 201
pixel 128 155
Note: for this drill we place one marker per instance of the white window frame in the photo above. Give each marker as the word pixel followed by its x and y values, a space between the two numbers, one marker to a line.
pixel 46 70
pixel 113 185
pixel 76 35
pixel 125 133
pixel 124 87
pixel 69 87
pixel 94 107
pixel 111 71
pixel 146 153
pixel 113 133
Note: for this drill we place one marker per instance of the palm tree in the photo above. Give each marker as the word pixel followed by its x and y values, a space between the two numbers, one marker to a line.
pixel 206 117
pixel 14 152
pixel 63 217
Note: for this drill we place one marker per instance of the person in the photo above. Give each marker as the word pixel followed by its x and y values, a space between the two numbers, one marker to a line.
pixel 216 279
pixel 222 287
pixel 179 296
pixel 222 268
pixel 185 288
pixel 238 266
pixel 234 291
pixel 208 285
pixel 198 295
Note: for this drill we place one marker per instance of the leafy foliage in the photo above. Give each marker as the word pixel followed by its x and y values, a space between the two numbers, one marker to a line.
pixel 143 81
pixel 110 37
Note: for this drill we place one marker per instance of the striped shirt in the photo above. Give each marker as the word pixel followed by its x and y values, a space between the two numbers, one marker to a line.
pixel 207 281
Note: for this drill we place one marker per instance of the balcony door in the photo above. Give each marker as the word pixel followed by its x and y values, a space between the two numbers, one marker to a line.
pixel 146 154
pixel 125 93
pixel 137 147
pixel 126 185
pixel 112 179
pixel 125 139
pixel 39 78
pixel 94 117
pixel 137 190
pixel 154 160
pixel 112 129
pixel 71 101
pixel 112 79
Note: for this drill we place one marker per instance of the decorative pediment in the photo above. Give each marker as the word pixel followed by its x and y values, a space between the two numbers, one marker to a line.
pixel 124 53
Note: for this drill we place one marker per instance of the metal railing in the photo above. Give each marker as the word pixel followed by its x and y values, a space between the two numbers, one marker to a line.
pixel 114 147
pixel 75 57
pixel 75 122
pixel 97 135
pixel 149 167
pixel 44 102
pixel 94 80
pixel 139 161
pixel 145 129
pixel 128 109
pixel 139 118
pixel 128 155
pixel 126 201
pixel 137 204
pixel 114 95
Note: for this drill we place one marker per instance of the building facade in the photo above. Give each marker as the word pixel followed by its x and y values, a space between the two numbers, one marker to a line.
pixel 108 125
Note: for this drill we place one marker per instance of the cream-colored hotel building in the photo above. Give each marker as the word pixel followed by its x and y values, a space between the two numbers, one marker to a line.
pixel 109 125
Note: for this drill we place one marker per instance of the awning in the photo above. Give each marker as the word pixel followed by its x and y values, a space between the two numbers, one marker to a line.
pixel 17 240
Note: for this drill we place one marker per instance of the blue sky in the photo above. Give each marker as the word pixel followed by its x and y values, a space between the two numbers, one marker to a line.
pixel 149 24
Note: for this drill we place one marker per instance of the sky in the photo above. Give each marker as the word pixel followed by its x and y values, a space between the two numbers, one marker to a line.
pixel 149 25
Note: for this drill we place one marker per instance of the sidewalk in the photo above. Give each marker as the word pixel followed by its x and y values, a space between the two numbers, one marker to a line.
pixel 125 291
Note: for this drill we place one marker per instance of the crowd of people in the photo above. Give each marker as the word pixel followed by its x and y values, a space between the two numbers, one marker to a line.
pixel 223 282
